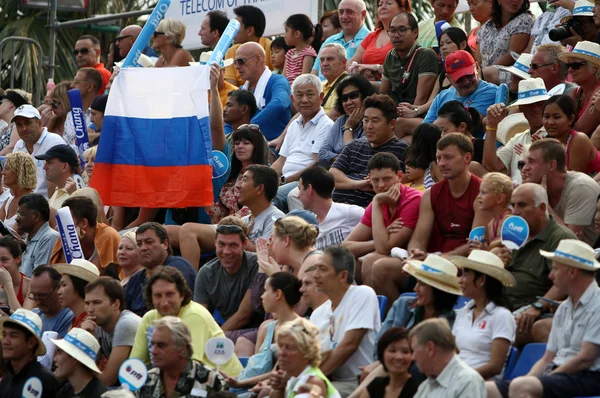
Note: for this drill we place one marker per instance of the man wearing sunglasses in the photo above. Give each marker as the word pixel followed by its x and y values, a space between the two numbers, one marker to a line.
pixel 87 55
pixel 546 65
pixel 127 37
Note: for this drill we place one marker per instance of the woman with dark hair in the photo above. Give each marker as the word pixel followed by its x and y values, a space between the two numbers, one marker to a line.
pixel 484 328
pixel 282 293
pixel 71 293
pixel 422 152
pixel 351 94
pixel 395 355
pixel 14 282
pixel 299 34
pixel 507 31
pixel 559 118
pixel 330 24
pixel 451 39
pixel 481 11
pixel 167 293
pixel 454 118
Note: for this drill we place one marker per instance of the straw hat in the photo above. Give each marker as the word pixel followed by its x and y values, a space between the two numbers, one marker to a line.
pixel 487 263
pixel 82 269
pixel 81 345
pixel 30 321
pixel 582 8
pixel 510 126
pixel 521 66
pixel 574 253
pixel 584 50
pixel 436 272
pixel 530 92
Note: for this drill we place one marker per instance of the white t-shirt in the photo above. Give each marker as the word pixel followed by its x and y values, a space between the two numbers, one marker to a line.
pixel 474 339
pixel 340 220
pixel 301 142
pixel 47 140
pixel 509 156
pixel 358 309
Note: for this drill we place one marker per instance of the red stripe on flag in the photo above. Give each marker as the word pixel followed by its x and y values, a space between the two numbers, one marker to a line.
pixel 154 187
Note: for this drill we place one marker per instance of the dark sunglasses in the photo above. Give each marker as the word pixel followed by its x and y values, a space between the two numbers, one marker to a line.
pixel 242 61
pixel 253 127
pixel 54 105
pixel 351 95
pixel 83 51
pixel 537 66
pixel 122 37
pixel 156 34
pixel 520 164
pixel 229 229
pixel 576 65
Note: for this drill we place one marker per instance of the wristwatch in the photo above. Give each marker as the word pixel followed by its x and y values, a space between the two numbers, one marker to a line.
pixel 282 180
pixel 416 109
pixel 350 129
pixel 538 306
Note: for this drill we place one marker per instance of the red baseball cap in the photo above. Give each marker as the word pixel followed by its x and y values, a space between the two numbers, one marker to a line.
pixel 460 63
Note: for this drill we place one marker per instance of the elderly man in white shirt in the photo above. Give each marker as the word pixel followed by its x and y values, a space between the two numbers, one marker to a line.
pixel 304 138
pixel 434 351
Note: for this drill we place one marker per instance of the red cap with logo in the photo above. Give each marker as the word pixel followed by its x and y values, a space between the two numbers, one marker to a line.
pixel 458 64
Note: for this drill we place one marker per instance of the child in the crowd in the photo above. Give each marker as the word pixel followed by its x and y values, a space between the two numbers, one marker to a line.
pixel 278 50
pixel 298 33
pixel 494 196
pixel 415 174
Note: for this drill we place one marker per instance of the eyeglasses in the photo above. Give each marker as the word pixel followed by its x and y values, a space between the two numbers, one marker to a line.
pixel 118 39
pixel 401 31
pixel 576 65
pixel 54 104
pixel 520 164
pixel 41 298
pixel 253 127
pixel 537 66
pixel 156 34
pixel 230 229
pixel 242 61
pixel 83 51
pixel 351 95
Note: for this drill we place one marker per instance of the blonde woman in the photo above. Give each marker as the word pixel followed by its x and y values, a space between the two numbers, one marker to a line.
pixel 128 257
pixel 20 176
pixel 90 159
pixel 92 194
pixel 167 40
pixel 60 104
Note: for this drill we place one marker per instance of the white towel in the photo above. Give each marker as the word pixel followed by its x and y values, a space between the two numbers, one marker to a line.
pixel 259 91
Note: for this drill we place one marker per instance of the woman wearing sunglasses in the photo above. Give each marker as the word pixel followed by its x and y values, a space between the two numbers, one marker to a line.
pixel 351 94
pixel 60 107
pixel 167 39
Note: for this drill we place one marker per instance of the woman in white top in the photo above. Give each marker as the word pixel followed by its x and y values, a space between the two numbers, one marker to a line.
pixel 20 176
pixel 484 328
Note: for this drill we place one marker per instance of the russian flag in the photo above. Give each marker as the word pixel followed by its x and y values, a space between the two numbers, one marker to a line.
pixel 155 142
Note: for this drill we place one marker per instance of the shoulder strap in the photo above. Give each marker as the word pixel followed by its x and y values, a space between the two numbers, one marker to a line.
pixel 339 79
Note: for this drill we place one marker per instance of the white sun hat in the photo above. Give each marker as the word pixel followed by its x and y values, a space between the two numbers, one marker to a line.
pixel 81 345
pixel 530 92
pixel 487 263
pixel 521 66
pixel 436 272
pixel 510 126
pixel 30 321
pixel 584 50
pixel 574 253
pixel 582 8
pixel 79 268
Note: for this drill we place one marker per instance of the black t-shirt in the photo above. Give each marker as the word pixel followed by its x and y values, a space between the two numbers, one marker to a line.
pixel 12 384
pixel 377 387
pixel 94 389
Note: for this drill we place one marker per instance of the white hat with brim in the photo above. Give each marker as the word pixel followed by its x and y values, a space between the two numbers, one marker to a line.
pixel 584 50
pixel 82 346
pixel 30 321
pixel 27 111
pixel 574 253
pixel 79 268
pixel 582 8
pixel 487 263
pixel 530 92
pixel 510 126
pixel 205 56
pixel 436 272
pixel 521 66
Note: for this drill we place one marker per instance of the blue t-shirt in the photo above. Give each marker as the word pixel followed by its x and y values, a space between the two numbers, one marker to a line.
pixel 59 323
pixel 480 99
pixel 350 46
pixel 134 289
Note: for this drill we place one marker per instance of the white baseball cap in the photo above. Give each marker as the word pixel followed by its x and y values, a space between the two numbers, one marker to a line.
pixel 26 111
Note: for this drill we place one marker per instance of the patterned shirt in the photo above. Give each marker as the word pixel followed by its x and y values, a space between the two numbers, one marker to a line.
pixel 497 42
pixel 294 63
pixel 195 381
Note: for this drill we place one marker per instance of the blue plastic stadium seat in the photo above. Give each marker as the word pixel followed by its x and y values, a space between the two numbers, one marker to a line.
pixel 382 304
pixel 244 361
pixel 511 360
pixel 218 317
pixel 529 356
pixel 461 302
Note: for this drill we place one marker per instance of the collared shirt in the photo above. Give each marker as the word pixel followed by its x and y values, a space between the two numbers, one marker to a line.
pixel 575 324
pixel 457 380
pixel 39 248
pixel 12 384
pixel 231 73
pixel 509 156
pixel 474 338
pixel 530 269
pixel 427 35
pixel 332 98
pixel 105 73
pixel 195 381
pixel 46 141
pixel 69 134
pixel 58 197
pixel 351 45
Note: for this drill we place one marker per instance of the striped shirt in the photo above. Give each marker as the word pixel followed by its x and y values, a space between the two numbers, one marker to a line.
pixel 293 64
pixel 353 163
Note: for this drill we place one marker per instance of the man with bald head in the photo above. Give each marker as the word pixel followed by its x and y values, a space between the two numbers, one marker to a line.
pixel 271 91
pixel 127 37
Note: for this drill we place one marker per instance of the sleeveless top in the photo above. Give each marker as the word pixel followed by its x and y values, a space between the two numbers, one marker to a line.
pixel 428 179
pixel 12 221
pixel 294 382
pixel 593 166
pixel 495 224
pixel 377 387
pixel 453 216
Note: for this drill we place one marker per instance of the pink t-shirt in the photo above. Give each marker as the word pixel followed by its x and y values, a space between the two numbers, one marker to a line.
pixel 293 65
pixel 372 54
pixel 407 209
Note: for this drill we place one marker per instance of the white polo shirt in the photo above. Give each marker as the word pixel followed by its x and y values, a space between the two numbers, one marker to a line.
pixel 301 142
pixel 474 339
pixel 47 140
